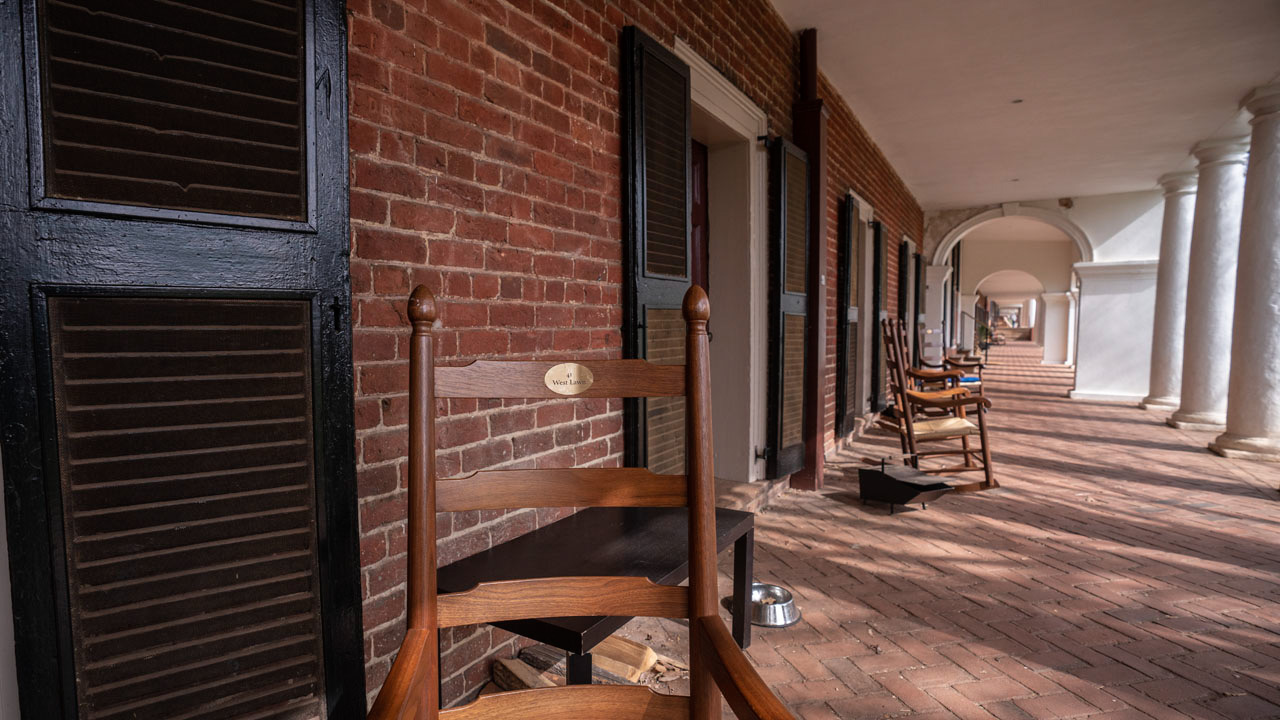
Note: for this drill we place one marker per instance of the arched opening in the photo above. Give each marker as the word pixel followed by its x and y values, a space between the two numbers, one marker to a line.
pixel 1015 265
pixel 1013 301
pixel 1073 232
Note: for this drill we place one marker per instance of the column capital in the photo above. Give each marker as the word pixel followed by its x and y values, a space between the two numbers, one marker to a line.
pixel 1179 183
pixel 1222 151
pixel 1262 101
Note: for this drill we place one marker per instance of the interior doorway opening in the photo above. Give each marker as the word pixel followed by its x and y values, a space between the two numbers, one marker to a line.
pixel 729 228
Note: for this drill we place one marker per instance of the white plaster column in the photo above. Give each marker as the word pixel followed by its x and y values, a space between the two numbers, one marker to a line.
pixel 965 339
pixel 1253 405
pixel 935 281
pixel 1037 327
pixel 1073 315
pixel 1171 290
pixel 1054 330
pixel 1211 284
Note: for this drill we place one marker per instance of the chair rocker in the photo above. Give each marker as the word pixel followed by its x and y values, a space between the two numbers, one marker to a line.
pixel 717 666
pixel 944 415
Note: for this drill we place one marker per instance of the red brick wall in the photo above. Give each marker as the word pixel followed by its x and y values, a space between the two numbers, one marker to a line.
pixel 485 163
pixel 855 163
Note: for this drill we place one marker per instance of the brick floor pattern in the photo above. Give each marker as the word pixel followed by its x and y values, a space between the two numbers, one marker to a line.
pixel 1121 571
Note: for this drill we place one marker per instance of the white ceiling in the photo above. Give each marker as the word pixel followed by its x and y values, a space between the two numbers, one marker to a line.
pixel 1115 92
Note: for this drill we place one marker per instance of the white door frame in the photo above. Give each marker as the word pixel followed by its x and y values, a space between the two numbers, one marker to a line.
pixel 738 359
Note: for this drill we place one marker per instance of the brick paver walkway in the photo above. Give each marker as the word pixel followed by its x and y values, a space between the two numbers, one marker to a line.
pixel 1121 570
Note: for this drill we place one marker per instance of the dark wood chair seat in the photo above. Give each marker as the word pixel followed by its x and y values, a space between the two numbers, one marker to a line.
pixel 600 541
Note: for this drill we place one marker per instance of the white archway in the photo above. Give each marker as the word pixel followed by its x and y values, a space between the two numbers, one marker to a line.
pixel 1010 286
pixel 942 256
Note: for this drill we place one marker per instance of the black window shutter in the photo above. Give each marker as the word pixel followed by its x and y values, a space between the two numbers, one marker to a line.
pixel 904 264
pixel 879 311
pixel 179 469
pixel 847 316
pixel 919 309
pixel 656 152
pixel 788 306
pixel 181 107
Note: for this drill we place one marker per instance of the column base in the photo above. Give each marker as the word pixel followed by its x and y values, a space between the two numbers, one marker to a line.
pixel 1166 401
pixel 1102 397
pixel 1244 447
pixel 1198 420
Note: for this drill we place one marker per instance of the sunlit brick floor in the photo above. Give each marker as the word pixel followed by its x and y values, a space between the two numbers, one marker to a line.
pixel 1122 569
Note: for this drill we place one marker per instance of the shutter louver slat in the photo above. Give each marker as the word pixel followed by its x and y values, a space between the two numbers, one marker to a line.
pixel 189 505
pixel 162 105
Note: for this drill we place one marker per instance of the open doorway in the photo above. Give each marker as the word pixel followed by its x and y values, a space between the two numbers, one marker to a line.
pixel 728 232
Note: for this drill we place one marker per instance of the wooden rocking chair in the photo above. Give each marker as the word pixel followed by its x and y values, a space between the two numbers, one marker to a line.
pixel 717 666
pixel 945 415
pixel 970 370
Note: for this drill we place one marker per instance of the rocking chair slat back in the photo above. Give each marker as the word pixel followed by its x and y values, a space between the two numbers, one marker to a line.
pixel 567 487
pixel 503 600
pixel 541 379
pixel 411 691
pixel 615 702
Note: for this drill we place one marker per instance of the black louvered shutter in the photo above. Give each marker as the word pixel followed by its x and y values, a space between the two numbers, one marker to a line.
pixel 904 265
pixel 656 154
pixel 193 106
pixel 788 306
pixel 904 294
pixel 879 311
pixel 847 255
pixel 916 324
pixel 189 504
pixel 177 389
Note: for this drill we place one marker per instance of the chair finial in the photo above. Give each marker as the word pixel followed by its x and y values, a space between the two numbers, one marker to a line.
pixel 696 304
pixel 422 306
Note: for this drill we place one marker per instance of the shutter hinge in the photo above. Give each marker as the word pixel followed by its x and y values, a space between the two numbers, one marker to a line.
pixel 324 80
pixel 337 312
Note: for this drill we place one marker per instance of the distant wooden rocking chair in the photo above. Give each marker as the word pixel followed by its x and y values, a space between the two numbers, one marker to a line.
pixel 411 690
pixel 970 370
pixel 945 414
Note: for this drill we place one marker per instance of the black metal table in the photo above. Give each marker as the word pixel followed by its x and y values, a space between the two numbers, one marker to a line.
pixel 649 542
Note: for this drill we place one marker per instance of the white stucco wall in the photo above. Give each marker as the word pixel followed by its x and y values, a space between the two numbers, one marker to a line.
pixel 1117 309
pixel 1121 227
pixel 1048 262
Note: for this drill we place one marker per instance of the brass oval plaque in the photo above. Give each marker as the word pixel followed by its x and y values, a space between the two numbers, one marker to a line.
pixel 569 378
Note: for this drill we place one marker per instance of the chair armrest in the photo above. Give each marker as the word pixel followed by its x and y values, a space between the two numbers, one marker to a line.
pixel 940 394
pixel 403 695
pixel 924 400
pixel 933 374
pixel 741 685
